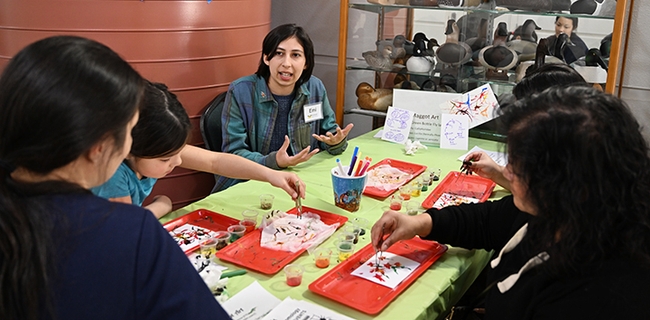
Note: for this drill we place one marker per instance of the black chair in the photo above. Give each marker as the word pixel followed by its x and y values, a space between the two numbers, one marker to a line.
pixel 211 123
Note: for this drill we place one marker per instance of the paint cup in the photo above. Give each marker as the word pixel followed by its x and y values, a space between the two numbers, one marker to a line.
pixel 347 190
pixel 266 201
pixel 424 183
pixel 416 188
pixel 293 273
pixel 346 236
pixel 345 249
pixel 405 192
pixel 236 231
pixel 361 223
pixel 412 208
pixel 426 180
pixel 322 257
pixel 396 202
pixel 249 220
pixel 435 175
pixel 354 231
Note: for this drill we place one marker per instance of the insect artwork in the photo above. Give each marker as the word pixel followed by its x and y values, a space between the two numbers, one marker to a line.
pixel 188 235
pixel 386 269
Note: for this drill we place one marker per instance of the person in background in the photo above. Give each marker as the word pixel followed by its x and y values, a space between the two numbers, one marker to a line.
pixel 574 237
pixel 160 144
pixel 544 77
pixel 280 116
pixel 568 26
pixel 67 107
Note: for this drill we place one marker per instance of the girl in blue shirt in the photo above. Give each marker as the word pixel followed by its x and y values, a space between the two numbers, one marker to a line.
pixel 160 144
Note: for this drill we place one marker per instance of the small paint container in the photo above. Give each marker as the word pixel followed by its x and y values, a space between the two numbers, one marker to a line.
pixel 355 231
pixel 396 202
pixel 249 220
pixel 293 273
pixel 236 231
pixel 416 188
pixel 435 175
pixel 412 208
pixel 322 257
pixel 405 192
pixel 345 248
pixel 266 201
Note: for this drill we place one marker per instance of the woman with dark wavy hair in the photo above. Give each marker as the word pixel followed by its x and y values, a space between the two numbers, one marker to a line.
pixel 67 108
pixel 574 236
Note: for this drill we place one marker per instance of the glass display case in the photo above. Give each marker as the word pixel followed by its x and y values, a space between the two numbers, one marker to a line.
pixel 387 44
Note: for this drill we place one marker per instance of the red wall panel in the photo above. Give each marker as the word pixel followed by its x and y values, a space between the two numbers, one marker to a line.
pixel 195 47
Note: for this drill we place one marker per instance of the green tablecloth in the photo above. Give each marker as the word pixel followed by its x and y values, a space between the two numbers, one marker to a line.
pixel 430 297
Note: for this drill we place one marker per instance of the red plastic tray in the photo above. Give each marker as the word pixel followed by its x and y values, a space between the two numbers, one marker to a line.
pixel 202 218
pixel 248 253
pixel 366 296
pixel 412 168
pixel 463 185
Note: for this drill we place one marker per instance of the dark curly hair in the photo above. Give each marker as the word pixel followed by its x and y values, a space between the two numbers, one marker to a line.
pixel 586 166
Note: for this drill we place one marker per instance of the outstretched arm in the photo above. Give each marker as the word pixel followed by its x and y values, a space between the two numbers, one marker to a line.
pixel 237 167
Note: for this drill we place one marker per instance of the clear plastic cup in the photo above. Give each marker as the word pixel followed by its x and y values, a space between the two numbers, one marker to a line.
pixel 249 220
pixel 345 249
pixel 405 192
pixel 293 273
pixel 412 207
pixel 322 257
pixel 266 201
pixel 396 202
pixel 355 231
pixel 236 231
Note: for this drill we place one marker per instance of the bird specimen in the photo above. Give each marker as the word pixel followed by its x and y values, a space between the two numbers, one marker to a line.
pixel 379 60
pixel 453 52
pixel 370 98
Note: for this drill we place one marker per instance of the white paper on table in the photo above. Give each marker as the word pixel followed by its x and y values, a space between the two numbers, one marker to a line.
pixel 454 132
pixel 288 232
pixel 448 199
pixel 397 125
pixel 290 309
pixel 392 269
pixel 426 106
pixel 477 105
pixel 189 235
pixel 499 157
pixel 252 303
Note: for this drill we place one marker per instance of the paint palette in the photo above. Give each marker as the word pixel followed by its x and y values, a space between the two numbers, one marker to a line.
pixel 339 284
pixel 412 169
pixel 248 253
pixel 457 188
pixel 195 226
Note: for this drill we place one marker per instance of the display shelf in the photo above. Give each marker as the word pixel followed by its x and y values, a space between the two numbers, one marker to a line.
pixel 464 81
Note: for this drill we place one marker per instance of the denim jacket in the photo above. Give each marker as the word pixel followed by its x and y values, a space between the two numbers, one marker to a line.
pixel 249 115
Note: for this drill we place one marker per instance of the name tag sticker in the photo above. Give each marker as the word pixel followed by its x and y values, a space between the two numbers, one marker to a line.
pixel 313 111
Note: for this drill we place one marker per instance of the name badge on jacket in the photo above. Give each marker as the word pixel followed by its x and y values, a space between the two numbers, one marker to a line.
pixel 313 112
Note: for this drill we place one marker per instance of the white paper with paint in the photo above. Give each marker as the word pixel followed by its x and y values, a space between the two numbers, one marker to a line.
pixel 397 125
pixel 499 157
pixel 454 132
pixel 391 270
pixel 252 303
pixel 477 105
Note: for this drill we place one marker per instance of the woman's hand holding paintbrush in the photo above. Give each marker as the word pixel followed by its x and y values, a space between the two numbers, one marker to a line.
pixel 394 226
pixel 480 163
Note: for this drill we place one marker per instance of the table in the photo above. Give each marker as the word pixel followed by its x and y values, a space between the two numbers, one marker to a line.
pixel 430 297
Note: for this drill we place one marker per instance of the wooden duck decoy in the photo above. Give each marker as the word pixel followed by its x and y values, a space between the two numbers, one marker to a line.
pixel 501 34
pixel 498 58
pixel 559 46
pixel 420 61
pixel 526 44
pixel 594 58
pixel 453 52
pixel 379 60
pixel 605 8
pixel 370 98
